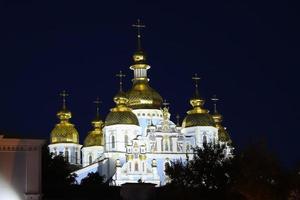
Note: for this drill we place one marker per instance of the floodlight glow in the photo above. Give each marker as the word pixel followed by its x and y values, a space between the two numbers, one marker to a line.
pixel 7 192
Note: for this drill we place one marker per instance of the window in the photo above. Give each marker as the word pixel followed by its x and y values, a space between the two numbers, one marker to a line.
pixel 126 140
pixel 112 142
pixel 90 159
pixel 76 157
pixel 136 167
pixel 204 139
pixel 143 167
pixel 67 155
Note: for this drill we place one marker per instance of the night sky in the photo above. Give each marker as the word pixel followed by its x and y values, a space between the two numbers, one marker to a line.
pixel 246 53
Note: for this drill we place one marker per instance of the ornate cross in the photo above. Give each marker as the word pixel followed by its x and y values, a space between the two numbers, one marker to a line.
pixel 97 102
pixel 121 76
pixel 64 94
pixel 215 101
pixel 138 26
pixel 196 78
pixel 165 103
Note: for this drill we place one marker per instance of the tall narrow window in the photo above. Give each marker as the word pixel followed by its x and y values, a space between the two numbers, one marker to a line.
pixel 67 155
pixel 90 159
pixel 204 139
pixel 136 167
pixel 126 140
pixel 76 157
pixel 143 166
pixel 113 142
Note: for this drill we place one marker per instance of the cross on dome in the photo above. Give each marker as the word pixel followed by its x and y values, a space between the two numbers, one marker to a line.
pixel 215 101
pixel 121 76
pixel 138 26
pixel 97 102
pixel 64 94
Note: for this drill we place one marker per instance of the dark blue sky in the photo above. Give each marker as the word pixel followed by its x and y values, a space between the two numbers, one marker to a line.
pixel 246 53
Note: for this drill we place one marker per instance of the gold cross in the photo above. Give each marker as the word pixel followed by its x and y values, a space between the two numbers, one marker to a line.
pixel 64 94
pixel 121 76
pixel 196 78
pixel 138 26
pixel 165 103
pixel 215 100
pixel 97 102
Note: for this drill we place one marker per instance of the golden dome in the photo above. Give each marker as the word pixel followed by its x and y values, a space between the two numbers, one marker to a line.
pixel 222 133
pixel 121 114
pixel 64 132
pixel 142 96
pixel 198 116
pixel 95 137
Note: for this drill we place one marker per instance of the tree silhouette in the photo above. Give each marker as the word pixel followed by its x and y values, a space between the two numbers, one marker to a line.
pixel 208 171
pixel 92 179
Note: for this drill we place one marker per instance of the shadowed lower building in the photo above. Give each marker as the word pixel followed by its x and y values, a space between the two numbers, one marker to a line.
pixel 20 168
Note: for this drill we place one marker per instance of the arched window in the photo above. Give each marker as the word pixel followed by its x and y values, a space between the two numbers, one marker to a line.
pixel 204 139
pixel 67 155
pixel 112 141
pixel 90 159
pixel 126 140
pixel 136 167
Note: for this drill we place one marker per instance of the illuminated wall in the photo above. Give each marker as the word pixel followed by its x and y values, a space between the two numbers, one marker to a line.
pixel 20 169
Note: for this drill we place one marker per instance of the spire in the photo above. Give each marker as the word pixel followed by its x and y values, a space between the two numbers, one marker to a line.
pixel 196 101
pixel 121 76
pixel 97 102
pixel 196 79
pixel 64 115
pixel 64 94
pixel 138 26
pixel 121 97
pixel 215 101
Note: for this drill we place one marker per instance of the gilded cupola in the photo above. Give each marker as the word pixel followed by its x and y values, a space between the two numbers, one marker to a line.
pixel 121 114
pixel 218 118
pixel 141 95
pixel 197 116
pixel 95 136
pixel 64 131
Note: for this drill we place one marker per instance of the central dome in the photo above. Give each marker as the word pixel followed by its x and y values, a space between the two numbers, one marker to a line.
pixel 142 96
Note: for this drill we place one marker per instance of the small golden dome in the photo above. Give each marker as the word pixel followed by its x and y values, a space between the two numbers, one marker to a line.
pixel 218 118
pixel 222 132
pixel 95 137
pixel 64 132
pixel 198 119
pixel 198 116
pixel 142 96
pixel 121 114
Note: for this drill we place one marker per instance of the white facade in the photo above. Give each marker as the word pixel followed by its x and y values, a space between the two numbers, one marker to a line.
pixel 71 151
pixel 139 153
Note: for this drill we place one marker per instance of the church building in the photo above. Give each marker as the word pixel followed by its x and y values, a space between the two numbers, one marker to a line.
pixel 137 138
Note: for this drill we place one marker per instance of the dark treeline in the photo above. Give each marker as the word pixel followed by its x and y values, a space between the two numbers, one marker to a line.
pixel 254 173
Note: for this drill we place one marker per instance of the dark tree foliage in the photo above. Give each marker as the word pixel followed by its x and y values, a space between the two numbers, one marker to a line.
pixel 294 183
pixel 258 175
pixel 56 172
pixel 92 179
pixel 208 171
